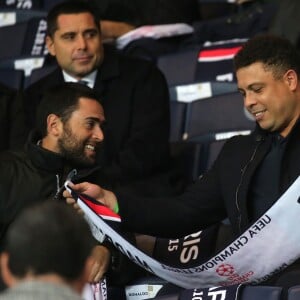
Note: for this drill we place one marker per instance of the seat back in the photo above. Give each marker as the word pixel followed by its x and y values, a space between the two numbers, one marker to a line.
pixel 217 118
pixel 177 118
pixel 294 292
pixel 24 38
pixel 180 67
pixel 261 292
pixel 150 287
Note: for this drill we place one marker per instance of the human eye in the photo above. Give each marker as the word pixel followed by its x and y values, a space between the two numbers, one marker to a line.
pixel 90 124
pixel 257 89
pixel 91 33
pixel 242 92
pixel 68 36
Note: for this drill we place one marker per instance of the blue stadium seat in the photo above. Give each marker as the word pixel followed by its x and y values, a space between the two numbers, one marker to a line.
pixel 24 38
pixel 11 16
pixel 216 118
pixel 294 292
pixel 261 293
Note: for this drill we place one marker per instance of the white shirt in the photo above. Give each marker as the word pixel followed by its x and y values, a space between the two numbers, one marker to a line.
pixel 90 78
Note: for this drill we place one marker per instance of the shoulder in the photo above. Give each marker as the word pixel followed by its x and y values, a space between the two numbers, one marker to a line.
pixel 128 64
pixel 12 160
pixel 45 82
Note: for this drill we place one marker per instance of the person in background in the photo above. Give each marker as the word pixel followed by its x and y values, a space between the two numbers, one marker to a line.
pixel 47 254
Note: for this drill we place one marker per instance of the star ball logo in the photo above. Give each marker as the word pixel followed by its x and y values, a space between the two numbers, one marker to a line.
pixel 227 270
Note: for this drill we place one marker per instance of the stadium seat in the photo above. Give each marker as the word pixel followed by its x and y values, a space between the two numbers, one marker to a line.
pixel 261 293
pixel 177 118
pixel 217 118
pixel 179 68
pixel 294 293
pixel 10 16
pixel 150 287
pixel 24 38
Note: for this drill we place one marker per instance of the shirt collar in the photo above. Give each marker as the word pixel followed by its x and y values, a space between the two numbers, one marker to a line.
pixel 90 78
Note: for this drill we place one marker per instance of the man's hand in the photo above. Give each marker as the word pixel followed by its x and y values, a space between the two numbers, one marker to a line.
pixel 101 257
pixel 106 197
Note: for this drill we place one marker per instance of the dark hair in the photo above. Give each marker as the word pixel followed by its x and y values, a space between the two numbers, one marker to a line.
pixel 276 53
pixel 49 238
pixel 69 7
pixel 61 100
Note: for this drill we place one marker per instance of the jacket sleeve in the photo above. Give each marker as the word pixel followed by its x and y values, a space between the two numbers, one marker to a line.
pixel 200 206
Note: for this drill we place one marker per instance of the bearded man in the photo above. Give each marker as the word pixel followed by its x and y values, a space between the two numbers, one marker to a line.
pixel 67 136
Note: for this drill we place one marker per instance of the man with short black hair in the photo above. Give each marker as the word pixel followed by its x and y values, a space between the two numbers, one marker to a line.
pixel 47 254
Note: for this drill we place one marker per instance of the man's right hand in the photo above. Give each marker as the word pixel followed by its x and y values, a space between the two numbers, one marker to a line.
pixel 105 197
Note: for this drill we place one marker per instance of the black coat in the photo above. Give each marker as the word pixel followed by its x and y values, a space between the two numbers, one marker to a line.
pixel 221 192
pixel 11 119
pixel 31 175
pixel 135 98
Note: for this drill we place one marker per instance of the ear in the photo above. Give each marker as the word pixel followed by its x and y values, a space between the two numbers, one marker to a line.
pixel 54 125
pixel 50 45
pixel 8 278
pixel 291 79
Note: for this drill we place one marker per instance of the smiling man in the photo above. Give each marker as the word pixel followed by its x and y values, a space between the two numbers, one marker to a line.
pixel 66 140
pixel 251 172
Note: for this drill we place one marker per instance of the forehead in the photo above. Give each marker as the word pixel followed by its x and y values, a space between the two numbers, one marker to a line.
pixel 255 72
pixel 89 107
pixel 73 22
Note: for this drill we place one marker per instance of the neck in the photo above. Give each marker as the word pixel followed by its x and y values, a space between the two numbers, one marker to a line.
pixel 48 144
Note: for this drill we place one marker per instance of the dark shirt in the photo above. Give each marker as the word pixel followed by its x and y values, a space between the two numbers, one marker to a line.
pixel 265 185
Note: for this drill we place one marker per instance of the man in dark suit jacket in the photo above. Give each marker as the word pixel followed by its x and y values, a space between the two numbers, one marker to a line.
pixel 133 92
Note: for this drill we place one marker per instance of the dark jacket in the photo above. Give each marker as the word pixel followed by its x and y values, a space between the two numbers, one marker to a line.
pixel 31 175
pixel 135 98
pixel 11 119
pixel 221 192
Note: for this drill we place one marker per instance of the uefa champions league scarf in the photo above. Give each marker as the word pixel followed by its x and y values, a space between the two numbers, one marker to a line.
pixel 265 248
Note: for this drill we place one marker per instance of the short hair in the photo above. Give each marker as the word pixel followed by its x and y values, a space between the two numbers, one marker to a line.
pixel 61 100
pixel 277 54
pixel 69 7
pixel 49 237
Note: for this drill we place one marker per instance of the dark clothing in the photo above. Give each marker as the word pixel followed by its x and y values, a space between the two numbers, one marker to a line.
pixel 11 119
pixel 264 188
pixel 148 12
pixel 222 192
pixel 31 175
pixel 135 98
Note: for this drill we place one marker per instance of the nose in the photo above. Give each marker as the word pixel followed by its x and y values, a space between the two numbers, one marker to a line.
pixel 249 100
pixel 98 133
pixel 81 42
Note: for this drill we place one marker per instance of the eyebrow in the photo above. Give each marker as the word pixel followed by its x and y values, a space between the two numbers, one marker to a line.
pixel 95 120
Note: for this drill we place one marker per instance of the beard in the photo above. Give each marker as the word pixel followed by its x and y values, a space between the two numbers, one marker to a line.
pixel 73 149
